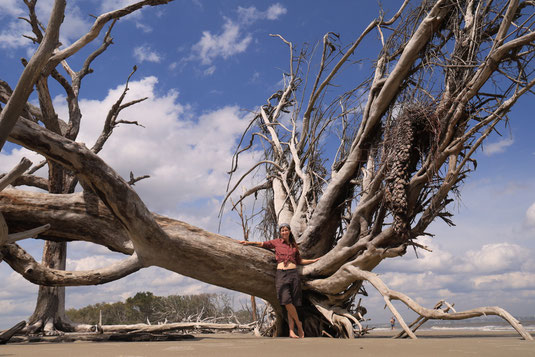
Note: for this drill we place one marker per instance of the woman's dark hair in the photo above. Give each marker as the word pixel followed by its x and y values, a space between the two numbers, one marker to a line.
pixel 293 243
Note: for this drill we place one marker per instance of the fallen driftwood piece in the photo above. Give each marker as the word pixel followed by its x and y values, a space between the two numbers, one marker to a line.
pixel 6 336
pixel 421 320
pixel 135 332
pixel 97 337
pixel 138 328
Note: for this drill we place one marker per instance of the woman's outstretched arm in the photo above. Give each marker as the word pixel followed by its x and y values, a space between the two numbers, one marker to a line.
pixel 256 244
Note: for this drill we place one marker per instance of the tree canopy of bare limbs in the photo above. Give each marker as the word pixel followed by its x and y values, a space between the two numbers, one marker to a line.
pixel 448 73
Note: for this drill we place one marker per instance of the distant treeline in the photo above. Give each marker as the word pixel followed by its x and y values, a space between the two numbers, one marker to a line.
pixel 174 308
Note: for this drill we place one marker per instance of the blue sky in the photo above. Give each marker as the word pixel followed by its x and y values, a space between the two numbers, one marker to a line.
pixel 204 65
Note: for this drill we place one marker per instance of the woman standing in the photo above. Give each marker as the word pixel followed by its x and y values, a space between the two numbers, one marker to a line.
pixel 287 281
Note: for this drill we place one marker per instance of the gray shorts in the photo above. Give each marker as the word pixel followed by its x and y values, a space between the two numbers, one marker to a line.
pixel 288 287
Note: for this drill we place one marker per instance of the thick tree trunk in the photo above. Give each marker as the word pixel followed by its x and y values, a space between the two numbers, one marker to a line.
pixel 49 314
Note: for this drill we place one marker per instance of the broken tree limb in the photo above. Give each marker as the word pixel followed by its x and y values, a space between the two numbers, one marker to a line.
pixel 6 335
pixel 24 264
pixel 350 272
pixel 138 328
pixel 12 238
pixel 400 318
pixel 17 171
pixel 421 320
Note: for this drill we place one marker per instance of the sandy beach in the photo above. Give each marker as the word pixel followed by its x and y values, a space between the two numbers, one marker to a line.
pixel 429 343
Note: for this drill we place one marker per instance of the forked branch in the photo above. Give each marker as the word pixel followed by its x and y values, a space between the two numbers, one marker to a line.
pixel 349 273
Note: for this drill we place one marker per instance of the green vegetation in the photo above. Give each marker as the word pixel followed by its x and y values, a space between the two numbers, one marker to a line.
pixel 173 308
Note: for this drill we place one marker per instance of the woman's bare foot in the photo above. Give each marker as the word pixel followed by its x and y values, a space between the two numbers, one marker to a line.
pixel 293 335
pixel 300 330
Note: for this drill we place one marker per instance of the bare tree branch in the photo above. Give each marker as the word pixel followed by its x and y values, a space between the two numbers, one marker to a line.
pixel 37 273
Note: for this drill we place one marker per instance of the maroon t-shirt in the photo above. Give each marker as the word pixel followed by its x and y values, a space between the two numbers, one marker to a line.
pixel 283 252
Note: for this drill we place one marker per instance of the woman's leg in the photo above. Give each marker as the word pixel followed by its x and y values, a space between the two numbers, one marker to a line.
pixel 291 324
pixel 293 318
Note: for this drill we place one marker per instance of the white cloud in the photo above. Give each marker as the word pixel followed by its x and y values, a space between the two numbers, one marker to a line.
pixel 498 147
pixel 9 161
pixel 226 44
pixel 90 262
pixel 249 15
pixel 186 155
pixel 494 258
pixel 530 216
pixel 513 281
pixel 74 25
pixel 209 71
pixel 11 8
pixel 437 259
pixel 232 39
pixel 145 53
pixel 11 35
pixel 143 27
pixel 275 11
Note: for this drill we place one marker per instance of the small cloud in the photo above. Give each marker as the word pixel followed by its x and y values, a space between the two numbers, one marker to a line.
pixel 275 11
pixel 209 71
pixel 143 27
pixel 498 147
pixel 232 38
pixel 255 77
pixel 145 53
pixel 530 216
pixel 229 43
pixel 249 15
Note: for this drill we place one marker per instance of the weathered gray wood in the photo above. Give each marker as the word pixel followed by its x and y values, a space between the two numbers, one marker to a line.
pixel 31 233
pixel 18 170
pixel 190 251
pixel 17 101
pixel 6 335
pixel 90 337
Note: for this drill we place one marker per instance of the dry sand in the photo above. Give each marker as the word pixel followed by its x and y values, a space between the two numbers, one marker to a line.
pixel 429 343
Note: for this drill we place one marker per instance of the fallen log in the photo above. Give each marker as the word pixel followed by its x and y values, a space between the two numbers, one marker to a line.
pixel 109 337
pixel 6 335
pixel 145 328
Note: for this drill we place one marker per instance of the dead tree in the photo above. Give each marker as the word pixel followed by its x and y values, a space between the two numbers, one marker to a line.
pixel 49 315
pixel 404 148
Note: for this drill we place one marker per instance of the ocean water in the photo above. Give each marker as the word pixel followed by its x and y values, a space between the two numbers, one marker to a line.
pixel 489 324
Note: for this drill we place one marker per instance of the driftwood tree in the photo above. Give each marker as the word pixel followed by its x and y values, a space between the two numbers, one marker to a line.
pixel 447 74
pixel 49 314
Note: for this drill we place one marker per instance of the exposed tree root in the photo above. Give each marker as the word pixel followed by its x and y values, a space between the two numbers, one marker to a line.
pixel 341 319
pixel 6 335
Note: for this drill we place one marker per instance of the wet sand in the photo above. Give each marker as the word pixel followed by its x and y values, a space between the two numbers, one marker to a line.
pixel 429 343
